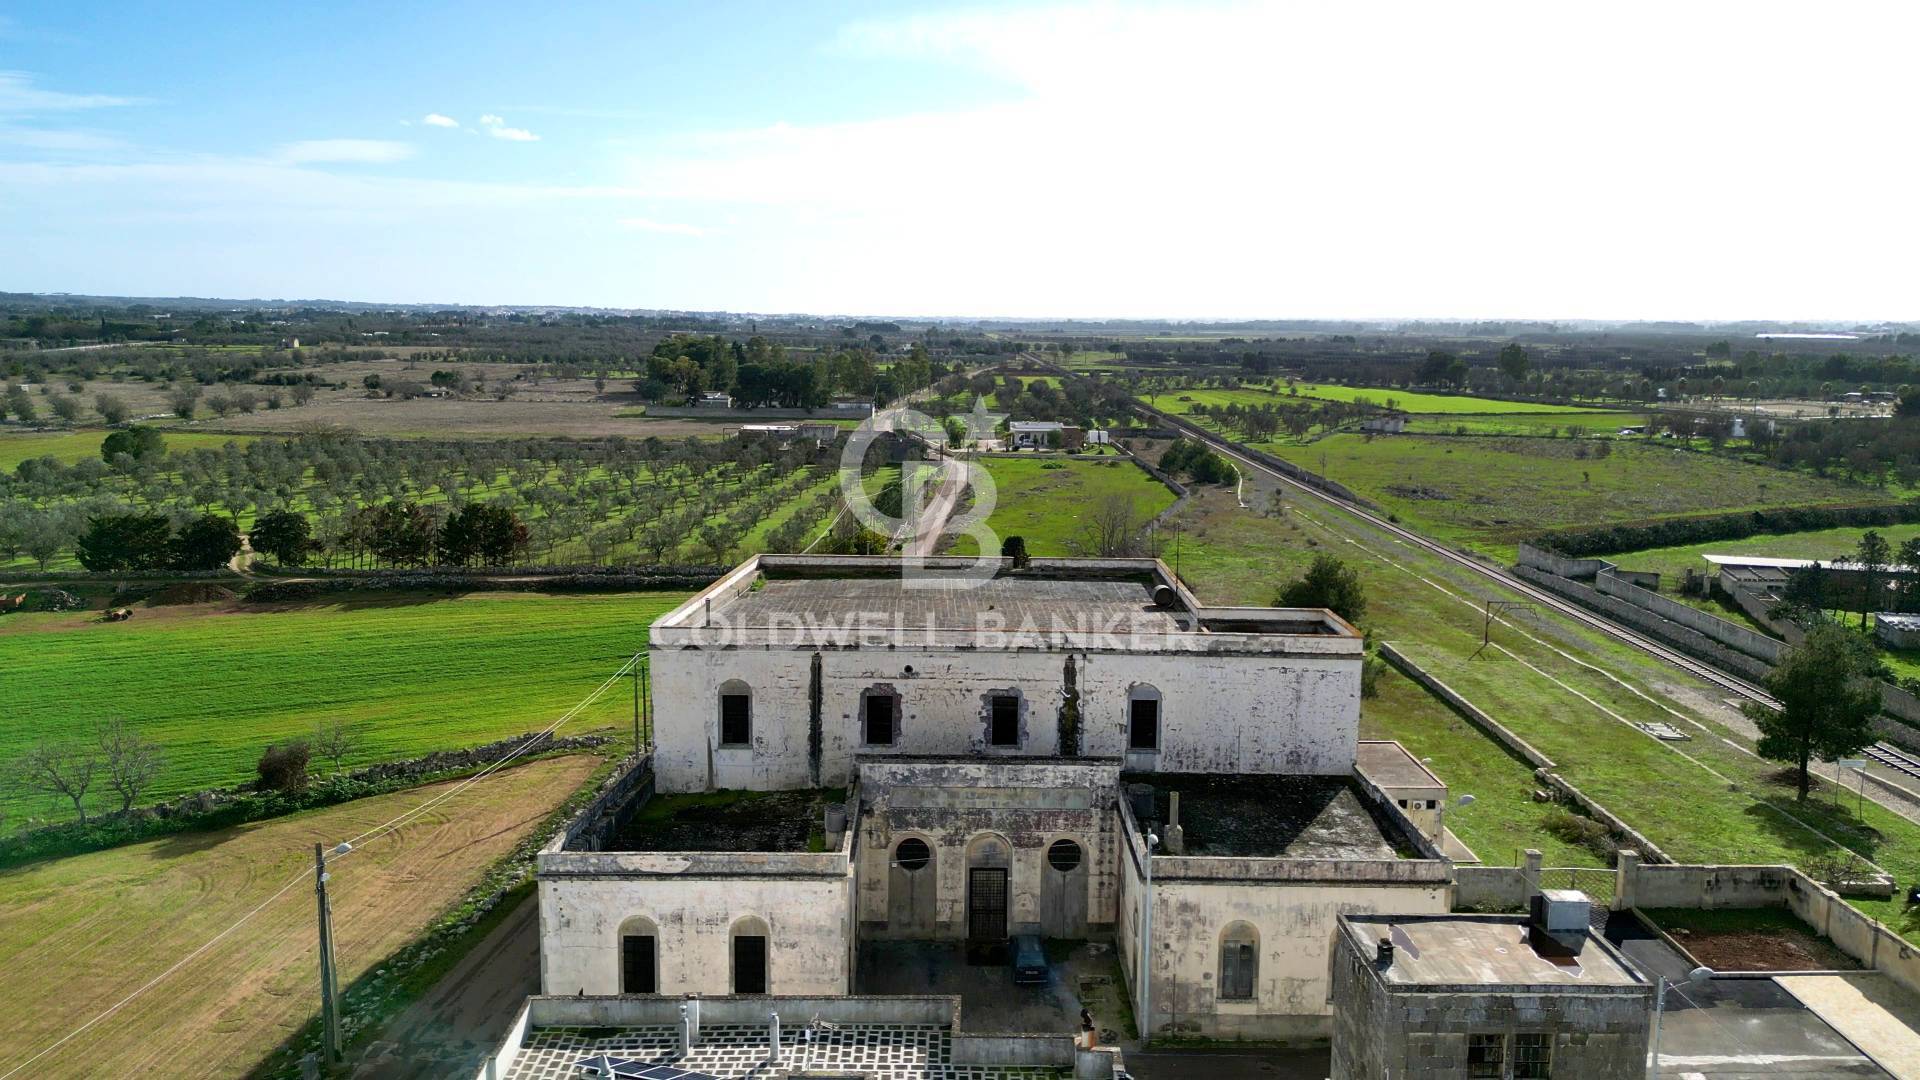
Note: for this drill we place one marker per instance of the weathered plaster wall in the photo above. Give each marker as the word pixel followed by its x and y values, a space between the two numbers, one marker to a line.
pixel 1295 926
pixel 955 805
pixel 809 923
pixel 1378 1035
pixel 1219 713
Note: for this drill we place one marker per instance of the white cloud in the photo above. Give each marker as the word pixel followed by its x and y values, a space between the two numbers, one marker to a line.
pixel 673 227
pixel 497 127
pixel 344 151
pixel 18 96
pixel 439 120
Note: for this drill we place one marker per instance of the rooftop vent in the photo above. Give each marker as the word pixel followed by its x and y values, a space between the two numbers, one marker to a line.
pixel 1163 596
pixel 1384 957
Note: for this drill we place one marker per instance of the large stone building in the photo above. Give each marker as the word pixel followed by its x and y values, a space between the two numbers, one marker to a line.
pixel 845 758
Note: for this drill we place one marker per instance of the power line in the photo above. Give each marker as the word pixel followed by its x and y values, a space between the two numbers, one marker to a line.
pixel 370 834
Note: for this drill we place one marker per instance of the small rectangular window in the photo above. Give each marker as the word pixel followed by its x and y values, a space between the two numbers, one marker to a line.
pixel 1143 724
pixel 1486 1055
pixel 1004 730
pixel 636 965
pixel 1533 1056
pixel 736 720
pixel 1236 971
pixel 878 723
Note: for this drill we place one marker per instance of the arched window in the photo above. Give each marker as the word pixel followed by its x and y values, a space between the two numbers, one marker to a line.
pixel 1143 718
pixel 750 956
pixel 639 957
pixel 1064 856
pixel 1239 962
pixel 736 713
pixel 912 854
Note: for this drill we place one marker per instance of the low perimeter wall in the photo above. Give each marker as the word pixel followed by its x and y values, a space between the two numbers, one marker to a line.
pixel 1866 940
pixel 1680 637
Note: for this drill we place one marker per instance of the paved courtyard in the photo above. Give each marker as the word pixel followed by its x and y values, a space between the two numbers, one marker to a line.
pixel 881 1051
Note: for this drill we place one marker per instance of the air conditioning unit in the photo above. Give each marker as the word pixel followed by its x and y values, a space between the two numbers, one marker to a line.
pixel 1561 911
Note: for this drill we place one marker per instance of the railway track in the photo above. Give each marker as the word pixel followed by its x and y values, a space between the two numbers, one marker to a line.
pixel 1533 593
pixel 1893 758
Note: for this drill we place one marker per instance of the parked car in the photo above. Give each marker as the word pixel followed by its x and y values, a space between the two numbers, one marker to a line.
pixel 1029 960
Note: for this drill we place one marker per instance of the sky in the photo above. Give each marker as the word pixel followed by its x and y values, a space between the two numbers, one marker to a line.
pixel 1361 159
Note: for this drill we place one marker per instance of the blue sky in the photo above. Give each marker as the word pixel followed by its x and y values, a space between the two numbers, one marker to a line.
pixel 1248 159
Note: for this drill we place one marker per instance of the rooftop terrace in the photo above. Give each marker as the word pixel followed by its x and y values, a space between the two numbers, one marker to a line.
pixel 854 601
pixel 729 821
pixel 1287 817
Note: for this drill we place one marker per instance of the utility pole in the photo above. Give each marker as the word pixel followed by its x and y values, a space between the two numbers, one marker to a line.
pixel 636 706
pixel 329 986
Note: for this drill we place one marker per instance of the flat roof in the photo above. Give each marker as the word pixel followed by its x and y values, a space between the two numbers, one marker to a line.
pixel 1389 765
pixel 1111 605
pixel 727 821
pixel 1283 817
pixel 1484 951
pixel 1018 601
pixel 740 1050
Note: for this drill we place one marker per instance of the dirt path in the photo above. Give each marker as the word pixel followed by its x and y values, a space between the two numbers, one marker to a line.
pixel 83 933
pixel 451 1030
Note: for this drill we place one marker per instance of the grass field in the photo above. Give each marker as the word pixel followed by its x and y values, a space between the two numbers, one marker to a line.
pixel 213 683
pixel 1048 506
pixel 1824 544
pixel 1404 400
pixel 81 933
pixel 69 447
pixel 1584 424
pixel 1492 492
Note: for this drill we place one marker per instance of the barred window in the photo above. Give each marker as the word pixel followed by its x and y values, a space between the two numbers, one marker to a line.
pixel 1486 1055
pixel 1532 1056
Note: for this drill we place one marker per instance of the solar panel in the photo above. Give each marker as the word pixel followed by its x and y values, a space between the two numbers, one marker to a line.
pixel 628 1069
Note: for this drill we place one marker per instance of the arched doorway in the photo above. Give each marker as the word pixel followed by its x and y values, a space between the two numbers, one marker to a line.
pixel 1063 890
pixel 911 887
pixel 989 893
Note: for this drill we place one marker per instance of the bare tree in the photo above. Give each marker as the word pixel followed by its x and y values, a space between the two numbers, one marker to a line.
pixel 62 771
pixel 335 741
pixel 1111 530
pixel 130 760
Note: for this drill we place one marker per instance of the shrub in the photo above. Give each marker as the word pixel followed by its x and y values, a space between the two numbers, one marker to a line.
pixel 1582 832
pixel 283 767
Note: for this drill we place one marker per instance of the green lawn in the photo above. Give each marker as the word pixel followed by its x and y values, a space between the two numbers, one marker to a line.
pixel 215 683
pixel 1404 400
pixel 69 447
pixel 1584 424
pixel 1824 544
pixel 1049 506
pixel 1490 493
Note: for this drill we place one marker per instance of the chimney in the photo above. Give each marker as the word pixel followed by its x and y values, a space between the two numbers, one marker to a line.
pixel 1176 838
pixel 1384 957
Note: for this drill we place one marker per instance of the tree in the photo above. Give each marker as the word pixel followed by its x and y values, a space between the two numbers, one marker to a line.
pixel 208 542
pixel 283 534
pixel 1329 583
pixel 129 759
pixel 1111 529
pixel 1873 555
pixel 182 401
pixel 111 408
pixel 1827 701
pixel 66 407
pixel 122 542
pixel 1514 361
pixel 336 741
pixel 21 406
pixel 1909 572
pixel 61 771
pixel 135 442
pixel 494 535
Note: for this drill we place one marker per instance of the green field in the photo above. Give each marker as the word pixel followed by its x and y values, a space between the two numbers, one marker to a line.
pixel 213 684
pixel 1824 544
pixel 1490 493
pixel 1584 424
pixel 1048 506
pixel 69 447
pixel 1573 695
pixel 1414 401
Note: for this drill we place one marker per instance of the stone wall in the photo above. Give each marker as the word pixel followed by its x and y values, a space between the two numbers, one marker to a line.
pixel 1221 713
pixel 1558 565
pixel 1732 635
pixel 1599 1033
pixel 957 808
pixel 1680 637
